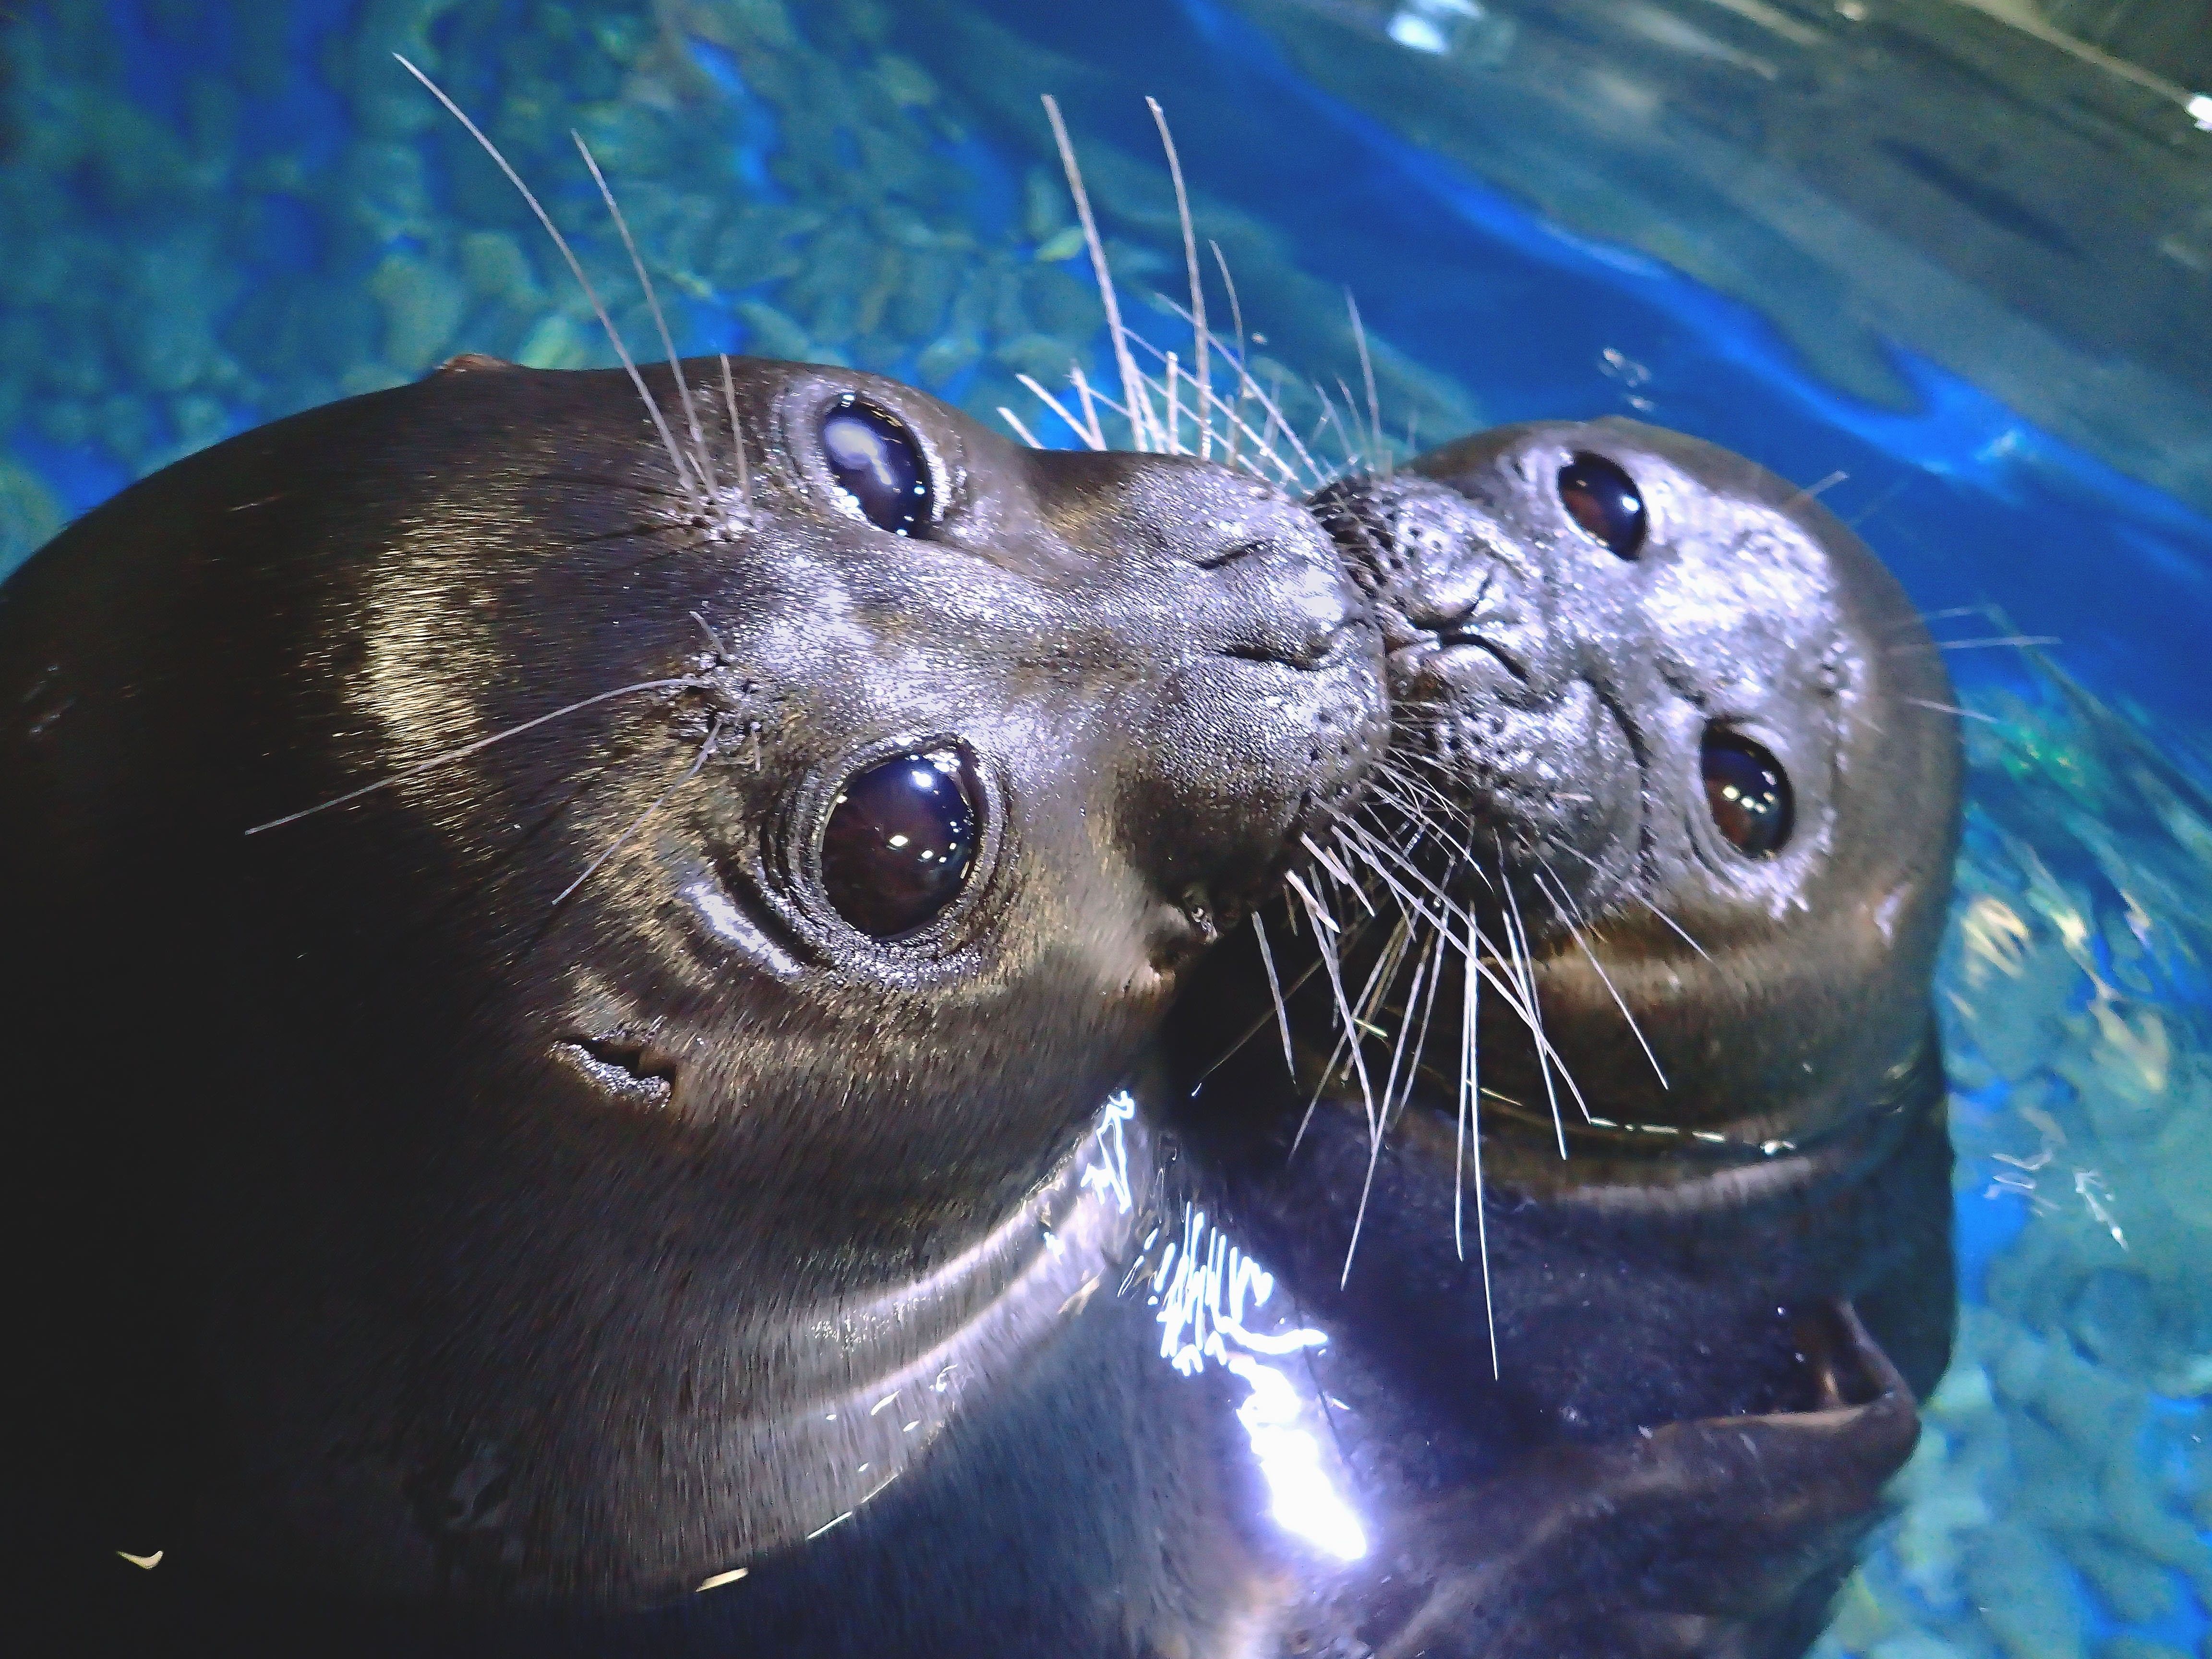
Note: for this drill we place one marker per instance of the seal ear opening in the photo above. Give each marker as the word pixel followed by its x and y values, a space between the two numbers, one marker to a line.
pixel 469 362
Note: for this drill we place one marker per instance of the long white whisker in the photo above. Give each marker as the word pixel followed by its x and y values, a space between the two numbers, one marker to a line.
pixel 446 756
pixel 1202 374
pixel 1020 431
pixel 737 438
pixel 653 304
pixel 1175 410
pixel 2022 640
pixel 705 748
pixel 1275 992
pixel 1524 970
pixel 1367 373
pixel 1261 443
pixel 1327 948
pixel 575 269
pixel 1089 400
pixel 1952 708
pixel 1574 933
pixel 1132 388
pixel 1470 1102
pixel 1089 433
pixel 1236 319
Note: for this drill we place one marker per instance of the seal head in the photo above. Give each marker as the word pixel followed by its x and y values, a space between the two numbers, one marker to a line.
pixel 698 893
pixel 1686 752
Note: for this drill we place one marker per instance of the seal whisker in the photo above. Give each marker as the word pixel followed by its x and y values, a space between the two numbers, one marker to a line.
pixel 1952 708
pixel 1086 396
pixel 1574 933
pixel 1437 941
pixel 1679 932
pixel 1201 374
pixel 1275 992
pixel 1524 970
pixel 1356 456
pixel 1262 444
pixel 575 267
pixel 682 682
pixel 1375 854
pixel 1020 431
pixel 1883 500
pixel 1812 491
pixel 1367 373
pixel 737 440
pixel 1089 433
pixel 1369 1003
pixel 1175 410
pixel 1326 946
pixel 1329 418
pixel 1987 613
pixel 1429 970
pixel 1141 428
pixel 1247 385
pixel 1469 1129
pixel 713 639
pixel 1236 318
pixel 2023 640
pixel 705 750
pixel 1343 877
pixel 700 457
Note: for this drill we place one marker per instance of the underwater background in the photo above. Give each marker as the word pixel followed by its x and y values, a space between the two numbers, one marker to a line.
pixel 1950 263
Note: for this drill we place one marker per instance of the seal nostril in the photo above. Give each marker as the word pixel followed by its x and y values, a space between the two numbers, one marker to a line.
pixel 1230 555
pixel 1604 501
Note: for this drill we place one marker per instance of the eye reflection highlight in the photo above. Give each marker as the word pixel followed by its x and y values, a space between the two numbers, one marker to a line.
pixel 900 839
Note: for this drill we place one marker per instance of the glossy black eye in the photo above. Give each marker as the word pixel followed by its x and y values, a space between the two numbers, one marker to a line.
pixel 1748 793
pixel 878 462
pixel 901 838
pixel 1604 501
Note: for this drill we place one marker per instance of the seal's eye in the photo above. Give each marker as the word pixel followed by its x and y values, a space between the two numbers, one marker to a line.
pixel 900 837
pixel 1604 501
pixel 1748 793
pixel 878 462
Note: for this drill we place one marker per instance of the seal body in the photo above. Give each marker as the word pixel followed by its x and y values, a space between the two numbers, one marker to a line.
pixel 1643 1128
pixel 520 1171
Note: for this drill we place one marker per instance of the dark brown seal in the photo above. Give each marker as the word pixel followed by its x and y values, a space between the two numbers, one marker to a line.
pixel 1673 763
pixel 746 861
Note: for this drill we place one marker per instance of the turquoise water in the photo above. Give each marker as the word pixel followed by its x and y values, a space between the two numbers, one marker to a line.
pixel 215 216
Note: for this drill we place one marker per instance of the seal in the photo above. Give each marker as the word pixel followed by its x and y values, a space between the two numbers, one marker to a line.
pixel 1642 1132
pixel 574 950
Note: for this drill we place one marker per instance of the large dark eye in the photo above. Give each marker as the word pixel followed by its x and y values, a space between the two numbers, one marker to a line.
pixel 879 464
pixel 1604 500
pixel 1748 793
pixel 899 842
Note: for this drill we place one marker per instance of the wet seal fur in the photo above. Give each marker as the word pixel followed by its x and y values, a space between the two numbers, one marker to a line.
pixel 1656 1334
pixel 516 1184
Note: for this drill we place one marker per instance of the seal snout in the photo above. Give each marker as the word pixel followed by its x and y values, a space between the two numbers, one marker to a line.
pixel 1286 595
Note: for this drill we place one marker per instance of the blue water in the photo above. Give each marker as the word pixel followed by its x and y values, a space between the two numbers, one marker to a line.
pixel 217 216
